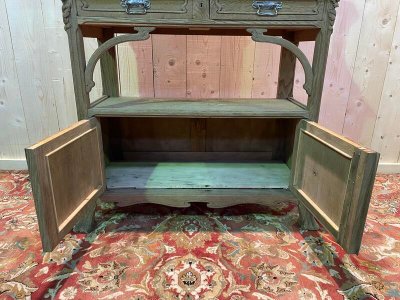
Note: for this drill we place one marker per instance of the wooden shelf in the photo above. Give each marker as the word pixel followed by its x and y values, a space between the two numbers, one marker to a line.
pixel 171 175
pixel 199 108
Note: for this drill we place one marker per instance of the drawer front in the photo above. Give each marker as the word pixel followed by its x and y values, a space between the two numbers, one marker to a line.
pixel 143 9
pixel 296 10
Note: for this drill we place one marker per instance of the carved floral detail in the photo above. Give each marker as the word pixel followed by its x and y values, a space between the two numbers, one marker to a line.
pixel 66 12
pixel 332 5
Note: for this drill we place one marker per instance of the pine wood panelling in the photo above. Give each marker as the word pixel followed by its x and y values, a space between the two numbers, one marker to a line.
pixel 237 59
pixel 339 71
pixel 203 67
pixel 298 90
pixel 91 45
pixel 13 132
pixel 370 69
pixel 135 63
pixel 59 62
pixel 33 68
pixel 386 138
pixel 169 65
pixel 265 70
pixel 360 96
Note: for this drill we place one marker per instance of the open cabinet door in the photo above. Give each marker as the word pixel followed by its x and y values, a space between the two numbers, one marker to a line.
pixel 67 173
pixel 333 178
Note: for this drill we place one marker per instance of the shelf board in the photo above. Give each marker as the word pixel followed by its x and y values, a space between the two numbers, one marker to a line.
pixel 171 175
pixel 199 108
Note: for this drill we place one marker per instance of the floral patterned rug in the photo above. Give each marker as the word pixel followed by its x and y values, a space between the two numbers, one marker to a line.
pixel 155 252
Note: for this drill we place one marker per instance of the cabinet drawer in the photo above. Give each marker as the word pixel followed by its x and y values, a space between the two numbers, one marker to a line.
pixel 151 9
pixel 295 10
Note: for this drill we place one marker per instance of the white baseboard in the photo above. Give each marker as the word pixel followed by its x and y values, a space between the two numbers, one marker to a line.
pixel 13 164
pixel 389 168
pixel 20 164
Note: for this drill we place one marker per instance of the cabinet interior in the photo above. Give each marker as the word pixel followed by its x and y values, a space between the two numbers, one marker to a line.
pixel 197 153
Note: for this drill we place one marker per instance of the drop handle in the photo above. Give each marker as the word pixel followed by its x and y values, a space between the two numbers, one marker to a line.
pixel 267 8
pixel 136 7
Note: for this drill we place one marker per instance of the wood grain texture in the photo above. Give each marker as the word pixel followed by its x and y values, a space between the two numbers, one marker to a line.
pixel 333 178
pixel 26 24
pixel 386 137
pixel 14 132
pixel 59 62
pixel 341 60
pixel 370 69
pixel 151 107
pixel 170 175
pixel 169 66
pixel 109 66
pixel 107 44
pixel 287 69
pixel 197 140
pixel 203 67
pixel 298 90
pixel 346 46
pixel 135 65
pixel 265 70
pixel 91 45
pixel 216 198
pixel 261 35
pixel 77 55
pixel 67 173
pixel 237 60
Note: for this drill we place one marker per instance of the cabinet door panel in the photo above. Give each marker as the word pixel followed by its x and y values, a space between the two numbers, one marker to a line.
pixel 67 173
pixel 333 177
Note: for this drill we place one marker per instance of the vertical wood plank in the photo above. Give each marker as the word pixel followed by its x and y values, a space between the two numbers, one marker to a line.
pixel 135 64
pixel 13 132
pixel 91 45
pixel 109 66
pixel 265 70
pixel 33 69
pixel 386 137
pixel 59 62
pixel 341 59
pixel 370 69
pixel 203 66
pixel 169 59
pixel 237 65
pixel 298 90
pixel 287 70
pixel 319 63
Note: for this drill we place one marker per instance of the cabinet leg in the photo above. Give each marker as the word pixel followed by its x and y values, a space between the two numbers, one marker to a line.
pixel 306 219
pixel 87 223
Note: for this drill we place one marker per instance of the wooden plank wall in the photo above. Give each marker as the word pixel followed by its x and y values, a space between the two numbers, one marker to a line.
pixel 361 96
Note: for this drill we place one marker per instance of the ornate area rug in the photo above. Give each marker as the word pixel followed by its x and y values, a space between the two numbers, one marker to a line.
pixel 155 252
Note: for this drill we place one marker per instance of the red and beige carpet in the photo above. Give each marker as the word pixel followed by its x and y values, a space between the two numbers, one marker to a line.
pixel 155 252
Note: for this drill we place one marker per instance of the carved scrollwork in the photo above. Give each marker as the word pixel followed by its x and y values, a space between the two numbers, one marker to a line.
pixel 84 4
pixel 332 5
pixel 66 12
pixel 143 33
pixel 258 35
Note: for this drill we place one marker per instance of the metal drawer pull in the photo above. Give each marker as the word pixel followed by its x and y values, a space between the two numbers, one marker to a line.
pixel 267 8
pixel 136 7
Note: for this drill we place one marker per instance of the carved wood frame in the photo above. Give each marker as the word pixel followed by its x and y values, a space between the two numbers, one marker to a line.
pixel 258 36
pixel 143 33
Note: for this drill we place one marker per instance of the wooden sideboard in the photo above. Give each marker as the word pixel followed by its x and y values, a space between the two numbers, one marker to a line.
pixel 219 151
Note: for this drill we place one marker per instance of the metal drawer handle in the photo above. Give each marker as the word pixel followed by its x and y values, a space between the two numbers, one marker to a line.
pixel 136 7
pixel 267 8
